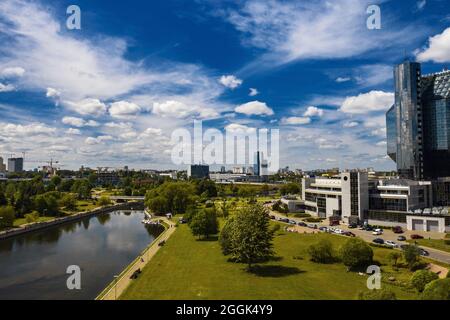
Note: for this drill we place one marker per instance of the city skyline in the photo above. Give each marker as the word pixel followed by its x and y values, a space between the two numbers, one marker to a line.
pixel 112 94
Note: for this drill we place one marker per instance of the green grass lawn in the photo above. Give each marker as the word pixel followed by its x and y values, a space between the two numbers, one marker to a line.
pixel 186 268
pixel 438 244
pixel 21 221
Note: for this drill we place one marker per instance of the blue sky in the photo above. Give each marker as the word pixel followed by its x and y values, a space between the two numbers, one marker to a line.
pixel 113 92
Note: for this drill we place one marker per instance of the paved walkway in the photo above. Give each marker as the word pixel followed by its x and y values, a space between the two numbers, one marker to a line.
pixel 122 282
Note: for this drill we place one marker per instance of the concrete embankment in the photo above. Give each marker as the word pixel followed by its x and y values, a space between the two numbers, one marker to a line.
pixel 77 216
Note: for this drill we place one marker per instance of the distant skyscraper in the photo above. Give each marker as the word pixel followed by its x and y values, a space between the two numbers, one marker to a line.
pixel 418 125
pixel 15 165
pixel 257 164
pixel 198 171
pixel 2 165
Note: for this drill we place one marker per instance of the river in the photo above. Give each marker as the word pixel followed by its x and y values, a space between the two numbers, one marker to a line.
pixel 34 265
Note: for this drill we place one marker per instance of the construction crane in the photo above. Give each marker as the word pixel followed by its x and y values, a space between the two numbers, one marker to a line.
pixel 52 166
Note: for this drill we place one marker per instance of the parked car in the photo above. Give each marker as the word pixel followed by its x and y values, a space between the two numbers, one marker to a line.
pixel 286 220
pixel 312 226
pixel 378 241
pixel 272 217
pixel 391 243
pixel 377 232
pixel 302 224
pixel 397 229
pixel 424 252
pixel 349 234
pixel 292 222
pixel 416 236
pixel 182 220
pixel 401 238
pixel 338 231
pixel 352 225
pixel 323 229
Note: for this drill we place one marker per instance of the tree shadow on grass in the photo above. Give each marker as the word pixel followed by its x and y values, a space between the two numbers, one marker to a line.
pixel 209 238
pixel 274 271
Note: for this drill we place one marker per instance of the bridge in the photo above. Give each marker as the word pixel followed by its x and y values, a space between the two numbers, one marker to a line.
pixel 123 198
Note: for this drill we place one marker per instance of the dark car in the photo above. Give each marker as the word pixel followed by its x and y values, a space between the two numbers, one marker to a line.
pixel 401 238
pixel 272 217
pixel 352 225
pixel 416 237
pixel 397 229
pixel 284 220
pixel 349 234
pixel 423 252
pixel 378 241
pixel 292 222
pixel 302 224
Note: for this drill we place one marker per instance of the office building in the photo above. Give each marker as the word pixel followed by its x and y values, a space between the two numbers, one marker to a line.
pixel 344 196
pixel 257 163
pixel 198 171
pixel 418 124
pixel 15 165
pixel 2 165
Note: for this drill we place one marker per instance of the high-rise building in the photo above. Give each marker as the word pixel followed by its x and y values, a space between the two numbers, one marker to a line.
pixel 15 165
pixel 418 124
pixel 257 164
pixel 198 171
pixel 2 165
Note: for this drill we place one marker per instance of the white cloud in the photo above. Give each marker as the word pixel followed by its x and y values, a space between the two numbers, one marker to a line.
pixel 311 29
pixel 368 102
pixel 78 122
pixel 351 124
pixel 381 143
pixel 119 125
pixel 313 112
pixel 421 4
pixel 124 109
pixel 92 107
pixel 98 140
pixel 253 92
pixel 52 93
pixel 73 131
pixel 373 75
pixel 438 49
pixel 343 79
pixel 19 130
pixel 230 81
pixel 237 128
pixel 6 87
pixel 295 120
pixel 254 108
pixel 178 109
pixel 13 72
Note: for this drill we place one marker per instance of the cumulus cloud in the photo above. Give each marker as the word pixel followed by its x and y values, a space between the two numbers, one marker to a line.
pixel 254 108
pixel 343 79
pixel 438 49
pixel 92 107
pixel 6 87
pixel 179 109
pixel 253 92
pixel 124 109
pixel 237 128
pixel 52 93
pixel 19 130
pixel 295 120
pixel 12 72
pixel 368 102
pixel 312 111
pixel 350 124
pixel 230 81
pixel 73 131
pixel 78 122
pixel 98 140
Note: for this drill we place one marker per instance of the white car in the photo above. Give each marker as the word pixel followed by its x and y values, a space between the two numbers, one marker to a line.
pixel 377 232
pixel 338 231
pixel 391 243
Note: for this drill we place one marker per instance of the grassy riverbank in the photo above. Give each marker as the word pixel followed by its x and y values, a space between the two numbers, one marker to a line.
pixel 186 268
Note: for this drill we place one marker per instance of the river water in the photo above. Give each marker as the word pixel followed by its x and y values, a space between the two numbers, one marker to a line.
pixel 34 265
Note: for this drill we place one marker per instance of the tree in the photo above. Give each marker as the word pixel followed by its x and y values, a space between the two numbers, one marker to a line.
pixel 381 294
pixel 225 236
pixel 411 254
pixel 175 197
pixel 204 223
pixel 290 188
pixel 207 188
pixel 32 217
pixel 437 290
pixel 7 216
pixel 69 202
pixel 322 252
pixel 356 253
pixel 421 278
pixel 46 204
pixel 56 180
pixel 250 238
pixel 158 205
pixel 3 200
pixel 104 201
pixel 394 256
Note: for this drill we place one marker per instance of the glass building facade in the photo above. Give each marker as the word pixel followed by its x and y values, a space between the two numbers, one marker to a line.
pixel 418 125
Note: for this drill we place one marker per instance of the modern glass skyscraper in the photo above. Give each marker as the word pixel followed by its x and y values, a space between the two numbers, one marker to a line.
pixel 418 125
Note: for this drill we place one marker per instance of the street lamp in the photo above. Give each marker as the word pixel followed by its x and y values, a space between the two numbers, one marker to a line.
pixel 115 286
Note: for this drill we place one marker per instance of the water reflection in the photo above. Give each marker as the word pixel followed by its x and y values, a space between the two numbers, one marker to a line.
pixel 33 266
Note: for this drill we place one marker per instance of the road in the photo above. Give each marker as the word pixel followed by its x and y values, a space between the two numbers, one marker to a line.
pixel 435 254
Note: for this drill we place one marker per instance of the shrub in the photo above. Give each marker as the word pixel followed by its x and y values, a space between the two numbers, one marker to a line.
pixel 7 214
pixel 313 220
pixel 381 294
pixel 104 201
pixel 32 217
pixel 411 254
pixel 421 278
pixel 393 257
pixel 356 253
pixel 437 290
pixel 302 215
pixel 322 252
